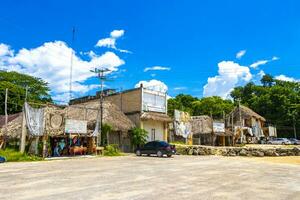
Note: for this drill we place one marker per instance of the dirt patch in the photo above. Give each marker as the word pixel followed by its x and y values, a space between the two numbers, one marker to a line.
pixel 266 146
pixel 283 160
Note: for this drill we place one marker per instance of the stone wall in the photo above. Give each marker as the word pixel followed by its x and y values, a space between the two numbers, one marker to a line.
pixel 237 151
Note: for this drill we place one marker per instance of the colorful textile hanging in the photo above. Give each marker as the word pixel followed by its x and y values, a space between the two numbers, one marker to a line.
pixel 35 120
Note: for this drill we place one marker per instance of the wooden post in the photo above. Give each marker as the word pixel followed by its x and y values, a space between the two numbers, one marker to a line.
pixel 165 131
pixel 45 149
pixel 212 128
pixel 36 144
pixel 23 134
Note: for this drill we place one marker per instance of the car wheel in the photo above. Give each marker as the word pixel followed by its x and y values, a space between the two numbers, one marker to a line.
pixel 159 154
pixel 148 154
pixel 138 153
pixel 283 143
pixel 169 155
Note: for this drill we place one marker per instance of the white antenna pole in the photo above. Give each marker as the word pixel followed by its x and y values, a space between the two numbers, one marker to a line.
pixel 6 116
pixel 71 65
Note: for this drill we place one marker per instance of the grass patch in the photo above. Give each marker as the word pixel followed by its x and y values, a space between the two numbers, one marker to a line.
pixel 12 155
pixel 112 150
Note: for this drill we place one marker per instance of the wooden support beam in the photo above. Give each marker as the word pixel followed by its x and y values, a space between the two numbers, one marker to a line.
pixel 23 134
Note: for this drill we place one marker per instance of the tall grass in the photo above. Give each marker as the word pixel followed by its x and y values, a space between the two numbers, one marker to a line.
pixel 12 155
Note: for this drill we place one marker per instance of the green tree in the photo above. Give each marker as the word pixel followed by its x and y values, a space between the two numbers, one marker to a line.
pixel 267 80
pixel 215 106
pixel 195 106
pixel 16 83
pixel 138 137
pixel 181 102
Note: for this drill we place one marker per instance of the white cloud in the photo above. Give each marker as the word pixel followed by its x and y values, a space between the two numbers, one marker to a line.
pixel 263 62
pixel 51 62
pixel 153 85
pixel 259 62
pixel 112 41
pixel 180 88
pixel 240 54
pixel 5 50
pixel 230 74
pixel 261 73
pixel 157 68
pixel 117 33
pixel 107 42
pixel 286 78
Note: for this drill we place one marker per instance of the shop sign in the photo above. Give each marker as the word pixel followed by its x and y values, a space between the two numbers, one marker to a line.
pixel 219 127
pixel 76 126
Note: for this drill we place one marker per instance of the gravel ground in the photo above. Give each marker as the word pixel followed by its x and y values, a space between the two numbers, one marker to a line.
pixel 130 177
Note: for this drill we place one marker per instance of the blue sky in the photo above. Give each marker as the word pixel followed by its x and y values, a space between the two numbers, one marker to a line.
pixel 193 44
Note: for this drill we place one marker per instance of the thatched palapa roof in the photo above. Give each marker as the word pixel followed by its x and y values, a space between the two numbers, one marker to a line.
pixel 156 116
pixel 14 124
pixel 88 111
pixel 246 113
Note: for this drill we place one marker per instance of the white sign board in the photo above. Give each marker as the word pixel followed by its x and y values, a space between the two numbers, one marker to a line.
pixel 76 126
pixel 219 127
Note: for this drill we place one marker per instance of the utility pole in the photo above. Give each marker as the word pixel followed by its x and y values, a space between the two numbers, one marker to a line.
pixel 240 116
pixel 294 126
pixel 121 99
pixel 102 78
pixel 295 106
pixel 240 112
pixel 26 93
pixel 3 143
pixel 6 116
pixel 71 65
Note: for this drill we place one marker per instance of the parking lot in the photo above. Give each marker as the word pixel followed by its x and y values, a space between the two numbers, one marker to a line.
pixel 130 177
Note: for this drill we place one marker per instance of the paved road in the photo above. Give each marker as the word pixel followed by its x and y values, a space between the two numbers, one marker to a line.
pixel 130 177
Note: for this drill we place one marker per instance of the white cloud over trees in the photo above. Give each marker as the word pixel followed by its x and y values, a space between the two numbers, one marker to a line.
pixel 230 74
pixel 51 62
pixel 153 85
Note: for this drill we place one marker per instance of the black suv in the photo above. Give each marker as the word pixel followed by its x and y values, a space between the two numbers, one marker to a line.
pixel 159 148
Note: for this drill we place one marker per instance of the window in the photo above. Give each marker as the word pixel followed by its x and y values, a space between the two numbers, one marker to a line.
pixel 149 144
pixel 153 134
pixel 154 102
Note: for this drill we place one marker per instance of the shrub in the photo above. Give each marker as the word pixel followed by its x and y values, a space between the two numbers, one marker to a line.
pixel 112 150
pixel 106 130
pixel 138 137
pixel 178 142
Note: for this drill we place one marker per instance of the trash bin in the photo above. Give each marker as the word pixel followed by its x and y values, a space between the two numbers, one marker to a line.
pixel 2 159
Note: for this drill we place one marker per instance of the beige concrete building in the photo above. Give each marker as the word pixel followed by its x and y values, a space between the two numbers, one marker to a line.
pixel 146 108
